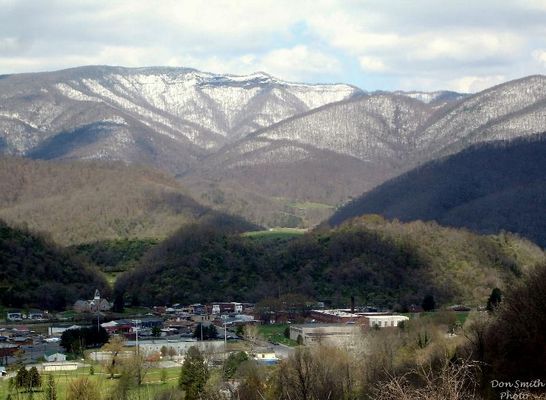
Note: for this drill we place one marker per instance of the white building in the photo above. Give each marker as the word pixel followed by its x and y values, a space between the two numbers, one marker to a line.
pixel 55 357
pixel 58 330
pixel 265 356
pixel 59 366
pixel 180 346
pixel 385 321
pixel 333 334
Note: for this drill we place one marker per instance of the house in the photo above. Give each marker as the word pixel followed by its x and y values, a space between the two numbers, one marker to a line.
pixel 150 322
pixel 7 349
pixel 119 326
pixel 36 315
pixel 14 315
pixel 204 318
pixel 264 356
pixel 227 308
pixel 197 309
pixel 95 305
pixel 22 340
pixel 54 356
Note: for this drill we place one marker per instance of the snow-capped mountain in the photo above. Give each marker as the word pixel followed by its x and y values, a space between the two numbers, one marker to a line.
pixel 234 138
pixel 343 149
pixel 166 116
pixel 326 154
pixel 507 111
pixel 438 98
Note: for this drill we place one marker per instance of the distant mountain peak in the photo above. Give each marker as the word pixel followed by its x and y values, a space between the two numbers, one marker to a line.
pixel 434 96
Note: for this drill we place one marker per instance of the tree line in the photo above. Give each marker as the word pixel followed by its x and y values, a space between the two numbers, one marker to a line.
pixel 379 262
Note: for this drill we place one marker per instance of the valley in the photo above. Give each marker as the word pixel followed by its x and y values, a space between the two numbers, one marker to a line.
pixel 272 200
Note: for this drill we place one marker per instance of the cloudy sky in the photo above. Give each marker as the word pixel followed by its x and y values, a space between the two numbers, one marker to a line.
pixel 398 44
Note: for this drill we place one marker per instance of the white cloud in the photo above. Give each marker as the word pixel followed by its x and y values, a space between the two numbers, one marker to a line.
pixel 540 56
pixel 465 84
pixel 372 64
pixel 437 44
pixel 472 84
pixel 463 46
pixel 298 62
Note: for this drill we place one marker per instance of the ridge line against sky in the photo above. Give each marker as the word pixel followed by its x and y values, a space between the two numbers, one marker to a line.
pixel 426 45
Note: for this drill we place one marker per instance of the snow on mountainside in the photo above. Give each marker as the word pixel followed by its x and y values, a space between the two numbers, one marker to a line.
pixel 397 129
pixel 373 128
pixel 346 148
pixel 130 113
pixel 255 136
pixel 439 97
pixel 507 111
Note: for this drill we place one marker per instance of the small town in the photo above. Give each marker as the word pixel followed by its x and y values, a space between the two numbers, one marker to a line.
pixel 91 338
pixel 35 336
pixel 272 200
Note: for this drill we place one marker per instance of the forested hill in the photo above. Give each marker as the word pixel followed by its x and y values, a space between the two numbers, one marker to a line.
pixel 489 188
pixel 82 202
pixel 379 262
pixel 35 273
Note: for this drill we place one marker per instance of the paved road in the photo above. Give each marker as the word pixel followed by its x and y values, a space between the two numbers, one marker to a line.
pixel 283 351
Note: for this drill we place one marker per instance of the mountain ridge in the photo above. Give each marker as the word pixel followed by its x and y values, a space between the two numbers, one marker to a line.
pixel 80 202
pixel 487 188
pixel 232 138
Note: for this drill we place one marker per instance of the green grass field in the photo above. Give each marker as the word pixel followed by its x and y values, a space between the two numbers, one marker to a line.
pixel 152 382
pixel 308 205
pixel 275 333
pixel 111 277
pixel 275 233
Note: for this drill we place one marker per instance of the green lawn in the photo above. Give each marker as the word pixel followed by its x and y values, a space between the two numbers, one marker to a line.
pixel 152 382
pixel 275 333
pixel 462 316
pixel 308 205
pixel 276 233
pixel 111 277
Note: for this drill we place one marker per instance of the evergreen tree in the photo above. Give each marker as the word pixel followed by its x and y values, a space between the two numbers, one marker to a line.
pixel 51 389
pixel 494 299
pixel 212 332
pixel 156 331
pixel 209 332
pixel 22 379
pixel 34 379
pixel 194 374
pixel 428 303
pixel 286 332
pixel 232 363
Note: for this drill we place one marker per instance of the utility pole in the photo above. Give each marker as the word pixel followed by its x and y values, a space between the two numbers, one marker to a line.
pixel 136 321
pixel 225 340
